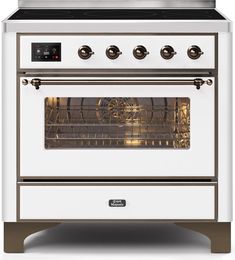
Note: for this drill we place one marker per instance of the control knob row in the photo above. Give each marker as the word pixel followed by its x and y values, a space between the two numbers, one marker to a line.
pixel 140 52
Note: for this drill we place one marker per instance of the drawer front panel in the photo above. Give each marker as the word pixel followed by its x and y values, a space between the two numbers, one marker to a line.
pixel 163 202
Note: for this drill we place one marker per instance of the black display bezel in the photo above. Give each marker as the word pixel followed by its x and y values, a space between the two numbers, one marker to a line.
pixel 56 57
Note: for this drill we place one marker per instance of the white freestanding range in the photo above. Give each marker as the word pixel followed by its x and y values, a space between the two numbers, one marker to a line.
pixel 117 111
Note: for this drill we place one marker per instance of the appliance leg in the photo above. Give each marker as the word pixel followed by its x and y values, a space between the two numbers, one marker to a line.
pixel 15 234
pixel 219 233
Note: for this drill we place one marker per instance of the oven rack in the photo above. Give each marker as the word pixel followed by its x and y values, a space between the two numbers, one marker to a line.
pixel 129 108
pixel 113 136
pixel 93 115
pixel 118 143
pixel 68 137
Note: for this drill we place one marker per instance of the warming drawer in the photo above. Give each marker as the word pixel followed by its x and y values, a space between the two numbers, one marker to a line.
pixel 143 201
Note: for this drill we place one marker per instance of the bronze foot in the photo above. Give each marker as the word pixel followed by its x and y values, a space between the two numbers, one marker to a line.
pixel 15 234
pixel 219 233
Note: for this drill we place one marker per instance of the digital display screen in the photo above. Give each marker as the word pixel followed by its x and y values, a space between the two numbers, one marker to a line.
pixel 46 52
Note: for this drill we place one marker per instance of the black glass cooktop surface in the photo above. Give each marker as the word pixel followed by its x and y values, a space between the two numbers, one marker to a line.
pixel 116 14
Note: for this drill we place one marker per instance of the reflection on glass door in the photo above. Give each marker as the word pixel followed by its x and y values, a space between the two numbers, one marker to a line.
pixel 117 122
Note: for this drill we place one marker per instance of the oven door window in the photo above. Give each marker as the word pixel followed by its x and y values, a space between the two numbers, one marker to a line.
pixel 117 122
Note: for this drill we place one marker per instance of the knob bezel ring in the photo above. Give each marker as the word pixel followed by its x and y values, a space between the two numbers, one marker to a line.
pixel 171 52
pixel 89 53
pixel 198 54
pixel 144 53
pixel 117 52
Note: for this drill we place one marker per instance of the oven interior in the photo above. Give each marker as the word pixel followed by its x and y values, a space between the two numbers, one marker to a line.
pixel 117 122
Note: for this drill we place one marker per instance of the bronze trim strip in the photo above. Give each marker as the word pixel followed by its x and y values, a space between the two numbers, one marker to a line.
pixel 26 72
pixel 125 33
pixel 18 202
pixel 216 132
pixel 216 202
pixel 116 184
pixel 131 221
pixel 17 126
pixel 115 178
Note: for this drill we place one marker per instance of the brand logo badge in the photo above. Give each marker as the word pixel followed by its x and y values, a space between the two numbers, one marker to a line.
pixel 117 203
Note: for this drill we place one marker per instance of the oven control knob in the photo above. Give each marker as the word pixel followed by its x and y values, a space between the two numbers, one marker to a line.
pixel 194 52
pixel 113 52
pixel 167 52
pixel 140 52
pixel 85 52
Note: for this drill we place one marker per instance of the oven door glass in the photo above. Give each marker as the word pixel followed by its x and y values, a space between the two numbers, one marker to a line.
pixel 117 122
pixel 116 130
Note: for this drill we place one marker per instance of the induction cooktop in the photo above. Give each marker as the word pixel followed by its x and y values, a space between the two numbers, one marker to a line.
pixel 116 14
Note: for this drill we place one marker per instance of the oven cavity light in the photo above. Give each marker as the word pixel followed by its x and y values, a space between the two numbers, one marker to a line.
pixel 134 142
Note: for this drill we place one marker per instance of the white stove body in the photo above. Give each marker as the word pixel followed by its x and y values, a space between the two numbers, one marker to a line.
pixel 132 163
pixel 200 161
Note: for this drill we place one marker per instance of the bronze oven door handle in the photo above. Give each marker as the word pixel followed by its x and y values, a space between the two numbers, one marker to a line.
pixel 36 82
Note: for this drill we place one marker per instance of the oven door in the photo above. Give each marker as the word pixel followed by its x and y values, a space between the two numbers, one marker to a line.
pixel 117 128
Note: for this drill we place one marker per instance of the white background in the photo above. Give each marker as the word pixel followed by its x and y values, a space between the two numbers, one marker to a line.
pixel 119 241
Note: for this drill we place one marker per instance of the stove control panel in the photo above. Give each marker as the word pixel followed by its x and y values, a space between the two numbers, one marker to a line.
pixel 178 51
pixel 44 51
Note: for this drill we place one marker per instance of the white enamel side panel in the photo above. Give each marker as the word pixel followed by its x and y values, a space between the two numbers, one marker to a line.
pixel 35 160
pixel 92 202
pixel 126 43
pixel 225 119
pixel 9 127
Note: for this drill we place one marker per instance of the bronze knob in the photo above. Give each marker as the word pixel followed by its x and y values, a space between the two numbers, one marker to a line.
pixel 194 52
pixel 85 52
pixel 140 52
pixel 167 52
pixel 113 52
